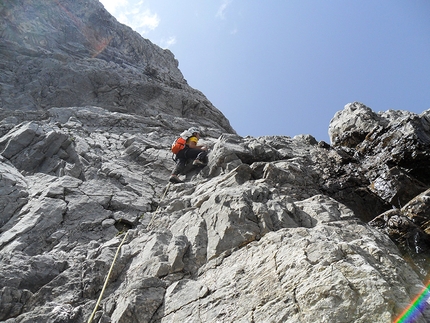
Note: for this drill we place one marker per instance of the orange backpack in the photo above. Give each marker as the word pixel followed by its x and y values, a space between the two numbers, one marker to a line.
pixel 178 145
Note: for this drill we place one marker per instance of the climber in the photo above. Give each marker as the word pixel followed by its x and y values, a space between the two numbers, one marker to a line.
pixel 191 151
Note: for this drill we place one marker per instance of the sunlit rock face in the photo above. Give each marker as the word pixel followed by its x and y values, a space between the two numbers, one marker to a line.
pixel 74 53
pixel 392 147
pixel 273 229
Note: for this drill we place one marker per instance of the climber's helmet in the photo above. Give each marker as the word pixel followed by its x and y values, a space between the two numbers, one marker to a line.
pixel 194 130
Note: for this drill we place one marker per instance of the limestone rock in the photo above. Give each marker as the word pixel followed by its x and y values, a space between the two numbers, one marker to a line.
pixel 13 191
pixel 245 239
pixel 409 226
pixel 274 229
pixel 351 125
pixel 75 53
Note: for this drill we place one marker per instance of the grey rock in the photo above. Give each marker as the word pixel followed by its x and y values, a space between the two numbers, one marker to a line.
pixel 203 246
pixel 351 125
pixel 13 192
pixel 77 54
pixel 273 229
pixel 409 227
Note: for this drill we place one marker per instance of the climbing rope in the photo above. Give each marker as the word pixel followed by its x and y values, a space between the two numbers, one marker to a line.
pixel 107 279
pixel 116 255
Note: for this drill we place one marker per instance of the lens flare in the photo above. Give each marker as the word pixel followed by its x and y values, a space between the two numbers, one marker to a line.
pixel 410 314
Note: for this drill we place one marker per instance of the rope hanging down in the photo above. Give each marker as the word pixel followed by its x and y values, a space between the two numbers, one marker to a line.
pixel 107 279
pixel 114 259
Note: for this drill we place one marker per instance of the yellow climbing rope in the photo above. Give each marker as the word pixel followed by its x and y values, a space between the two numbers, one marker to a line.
pixel 114 259
pixel 107 279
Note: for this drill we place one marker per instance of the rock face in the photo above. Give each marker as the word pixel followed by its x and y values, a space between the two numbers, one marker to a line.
pixel 273 229
pixel 74 53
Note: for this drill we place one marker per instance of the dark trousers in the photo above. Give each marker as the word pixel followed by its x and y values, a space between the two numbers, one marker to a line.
pixel 188 154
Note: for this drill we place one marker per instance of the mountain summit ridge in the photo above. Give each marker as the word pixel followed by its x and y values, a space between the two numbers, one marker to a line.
pixel 74 53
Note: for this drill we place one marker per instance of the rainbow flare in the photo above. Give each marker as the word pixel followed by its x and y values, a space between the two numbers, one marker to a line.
pixel 415 308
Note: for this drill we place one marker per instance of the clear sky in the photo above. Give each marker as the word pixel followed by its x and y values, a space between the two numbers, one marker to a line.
pixel 285 67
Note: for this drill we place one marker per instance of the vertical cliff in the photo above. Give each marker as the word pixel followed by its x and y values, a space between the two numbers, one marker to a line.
pixel 273 229
pixel 74 53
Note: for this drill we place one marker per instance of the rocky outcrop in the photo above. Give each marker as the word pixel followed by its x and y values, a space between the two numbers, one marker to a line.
pixel 393 149
pixel 273 229
pixel 263 233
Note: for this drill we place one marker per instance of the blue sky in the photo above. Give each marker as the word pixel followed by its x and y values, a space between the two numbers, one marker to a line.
pixel 285 67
